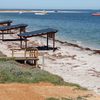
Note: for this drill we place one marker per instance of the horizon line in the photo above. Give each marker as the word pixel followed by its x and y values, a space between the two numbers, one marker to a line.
pixel 49 8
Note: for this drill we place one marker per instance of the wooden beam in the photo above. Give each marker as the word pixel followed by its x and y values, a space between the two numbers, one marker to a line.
pixel 22 29
pixel 53 42
pixel 2 35
pixel 25 43
pixel 6 33
pixel 14 39
pixel 21 43
pixel 47 41
pixel 8 24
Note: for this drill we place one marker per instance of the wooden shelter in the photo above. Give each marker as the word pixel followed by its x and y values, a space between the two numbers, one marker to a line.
pixel 7 29
pixel 5 23
pixel 49 32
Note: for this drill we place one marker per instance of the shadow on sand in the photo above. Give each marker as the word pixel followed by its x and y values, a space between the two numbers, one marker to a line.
pixel 46 48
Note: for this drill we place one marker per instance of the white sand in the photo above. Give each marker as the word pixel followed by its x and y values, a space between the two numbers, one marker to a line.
pixel 71 63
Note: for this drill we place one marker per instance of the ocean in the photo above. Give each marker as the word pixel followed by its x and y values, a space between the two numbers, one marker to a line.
pixel 75 26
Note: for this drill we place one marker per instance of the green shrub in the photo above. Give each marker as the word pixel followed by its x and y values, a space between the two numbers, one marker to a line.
pixel 11 71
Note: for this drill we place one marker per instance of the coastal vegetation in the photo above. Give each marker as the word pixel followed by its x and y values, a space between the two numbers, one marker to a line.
pixel 11 71
pixel 14 72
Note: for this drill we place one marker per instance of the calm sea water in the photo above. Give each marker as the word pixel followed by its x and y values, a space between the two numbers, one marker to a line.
pixel 74 26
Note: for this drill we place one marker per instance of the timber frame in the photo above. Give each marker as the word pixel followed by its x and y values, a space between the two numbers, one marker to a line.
pixel 50 33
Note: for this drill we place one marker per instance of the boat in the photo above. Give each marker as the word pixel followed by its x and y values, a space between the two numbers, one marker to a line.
pixel 40 13
pixel 20 12
pixel 96 14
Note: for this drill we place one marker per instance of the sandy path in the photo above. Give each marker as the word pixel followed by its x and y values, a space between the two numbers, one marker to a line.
pixel 41 92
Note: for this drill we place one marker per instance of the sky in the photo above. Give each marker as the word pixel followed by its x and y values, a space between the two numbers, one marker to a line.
pixel 50 4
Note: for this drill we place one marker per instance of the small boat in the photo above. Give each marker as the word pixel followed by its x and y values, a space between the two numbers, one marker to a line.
pixel 20 12
pixel 96 14
pixel 41 13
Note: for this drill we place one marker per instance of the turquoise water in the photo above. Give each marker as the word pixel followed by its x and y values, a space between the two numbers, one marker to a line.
pixel 76 27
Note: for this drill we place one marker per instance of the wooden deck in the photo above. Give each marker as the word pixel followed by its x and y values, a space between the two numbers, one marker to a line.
pixel 23 55
pixel 18 58
pixel 28 55
pixel 31 60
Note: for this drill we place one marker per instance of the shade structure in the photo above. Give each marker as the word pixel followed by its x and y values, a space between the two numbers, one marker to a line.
pixel 50 32
pixel 5 28
pixel 37 33
pixel 7 22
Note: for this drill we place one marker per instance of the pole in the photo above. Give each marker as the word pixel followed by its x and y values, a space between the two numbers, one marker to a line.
pixel 43 62
pixel 47 41
pixel 53 42
pixel 25 43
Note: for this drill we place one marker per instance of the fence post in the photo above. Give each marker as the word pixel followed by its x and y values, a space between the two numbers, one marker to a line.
pixel 43 61
pixel 12 52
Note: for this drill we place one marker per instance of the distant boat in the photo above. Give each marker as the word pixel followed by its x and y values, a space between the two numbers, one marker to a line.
pixel 20 12
pixel 96 14
pixel 40 13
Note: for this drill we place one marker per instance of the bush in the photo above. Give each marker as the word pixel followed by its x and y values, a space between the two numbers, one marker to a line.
pixel 11 71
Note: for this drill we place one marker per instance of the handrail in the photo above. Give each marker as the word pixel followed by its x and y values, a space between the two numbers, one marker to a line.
pixel 32 52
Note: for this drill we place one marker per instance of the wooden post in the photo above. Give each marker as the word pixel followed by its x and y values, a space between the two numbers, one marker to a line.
pixel 53 42
pixel 25 61
pixel 22 29
pixel 2 35
pixel 8 24
pixel 43 61
pixel 35 63
pixel 25 43
pixel 21 42
pixel 25 53
pixel 9 31
pixel 12 52
pixel 47 41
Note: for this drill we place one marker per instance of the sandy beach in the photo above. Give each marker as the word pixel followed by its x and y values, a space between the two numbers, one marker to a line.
pixel 72 62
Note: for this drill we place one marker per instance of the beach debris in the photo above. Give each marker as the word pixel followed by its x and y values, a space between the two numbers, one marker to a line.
pixel 75 66
pixel 62 55
pixel 96 52
pixel 93 72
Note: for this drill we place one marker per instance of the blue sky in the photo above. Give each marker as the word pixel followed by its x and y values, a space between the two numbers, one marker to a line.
pixel 51 4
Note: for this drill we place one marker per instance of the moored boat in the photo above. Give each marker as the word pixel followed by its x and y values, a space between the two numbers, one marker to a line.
pixel 41 13
pixel 96 14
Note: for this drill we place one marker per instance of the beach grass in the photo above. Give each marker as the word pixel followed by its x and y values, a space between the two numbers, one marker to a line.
pixel 13 72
